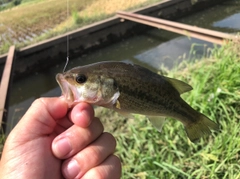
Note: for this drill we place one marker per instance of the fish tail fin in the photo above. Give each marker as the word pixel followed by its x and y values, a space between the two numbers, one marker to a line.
pixel 200 128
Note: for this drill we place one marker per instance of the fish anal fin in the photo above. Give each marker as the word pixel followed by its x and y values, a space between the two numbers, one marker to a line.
pixel 200 128
pixel 157 121
pixel 180 86
pixel 124 113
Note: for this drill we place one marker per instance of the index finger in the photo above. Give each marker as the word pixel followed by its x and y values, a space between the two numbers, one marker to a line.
pixel 41 117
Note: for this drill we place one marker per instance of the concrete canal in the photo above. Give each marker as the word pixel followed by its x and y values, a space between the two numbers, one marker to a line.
pixel 152 49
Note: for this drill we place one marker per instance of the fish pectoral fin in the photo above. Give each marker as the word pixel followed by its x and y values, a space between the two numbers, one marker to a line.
pixel 118 105
pixel 180 86
pixel 157 122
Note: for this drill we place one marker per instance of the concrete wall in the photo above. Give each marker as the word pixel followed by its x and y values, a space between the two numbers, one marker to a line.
pixel 92 37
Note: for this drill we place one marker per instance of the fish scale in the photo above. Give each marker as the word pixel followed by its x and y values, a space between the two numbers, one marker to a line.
pixel 153 94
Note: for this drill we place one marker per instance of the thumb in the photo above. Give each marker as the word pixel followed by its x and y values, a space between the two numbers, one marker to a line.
pixel 40 119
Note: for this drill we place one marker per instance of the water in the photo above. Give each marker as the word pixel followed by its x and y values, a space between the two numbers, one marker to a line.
pixel 229 22
pixel 152 50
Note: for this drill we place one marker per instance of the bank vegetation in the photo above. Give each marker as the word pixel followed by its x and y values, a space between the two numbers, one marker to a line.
pixel 36 20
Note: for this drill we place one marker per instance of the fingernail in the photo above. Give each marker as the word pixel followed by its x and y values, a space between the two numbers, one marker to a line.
pixel 63 147
pixel 71 169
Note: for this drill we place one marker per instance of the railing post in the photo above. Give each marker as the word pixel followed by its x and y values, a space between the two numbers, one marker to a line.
pixel 5 81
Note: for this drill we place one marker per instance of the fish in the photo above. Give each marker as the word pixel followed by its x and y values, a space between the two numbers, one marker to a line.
pixel 132 89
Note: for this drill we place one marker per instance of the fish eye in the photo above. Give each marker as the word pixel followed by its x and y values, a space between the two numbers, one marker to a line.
pixel 81 78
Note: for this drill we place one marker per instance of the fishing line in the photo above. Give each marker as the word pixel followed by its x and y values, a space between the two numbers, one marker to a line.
pixel 67 58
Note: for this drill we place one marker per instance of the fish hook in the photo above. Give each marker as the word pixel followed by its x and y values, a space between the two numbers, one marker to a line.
pixel 67 41
pixel 66 64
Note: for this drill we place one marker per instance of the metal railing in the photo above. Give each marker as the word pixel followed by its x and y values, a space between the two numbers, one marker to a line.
pixel 188 30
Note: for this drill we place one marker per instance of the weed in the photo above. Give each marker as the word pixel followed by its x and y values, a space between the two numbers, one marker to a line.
pixel 2 140
pixel 76 17
pixel 5 47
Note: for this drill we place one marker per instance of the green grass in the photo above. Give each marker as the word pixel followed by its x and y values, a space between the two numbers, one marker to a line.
pixel 7 5
pixel 2 140
pixel 76 17
pixel 146 153
pixel 23 24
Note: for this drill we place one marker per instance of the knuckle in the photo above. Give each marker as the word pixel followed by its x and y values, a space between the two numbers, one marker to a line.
pixel 116 161
pixel 97 120
pixel 110 138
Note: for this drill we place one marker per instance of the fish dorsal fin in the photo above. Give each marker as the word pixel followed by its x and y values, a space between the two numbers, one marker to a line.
pixel 157 121
pixel 180 86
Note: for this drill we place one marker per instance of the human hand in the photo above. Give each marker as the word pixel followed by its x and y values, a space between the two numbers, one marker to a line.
pixel 50 142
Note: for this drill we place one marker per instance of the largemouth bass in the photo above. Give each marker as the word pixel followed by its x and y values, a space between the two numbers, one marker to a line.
pixel 132 89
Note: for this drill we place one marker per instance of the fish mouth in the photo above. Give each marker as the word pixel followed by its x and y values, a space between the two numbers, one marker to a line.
pixel 67 93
